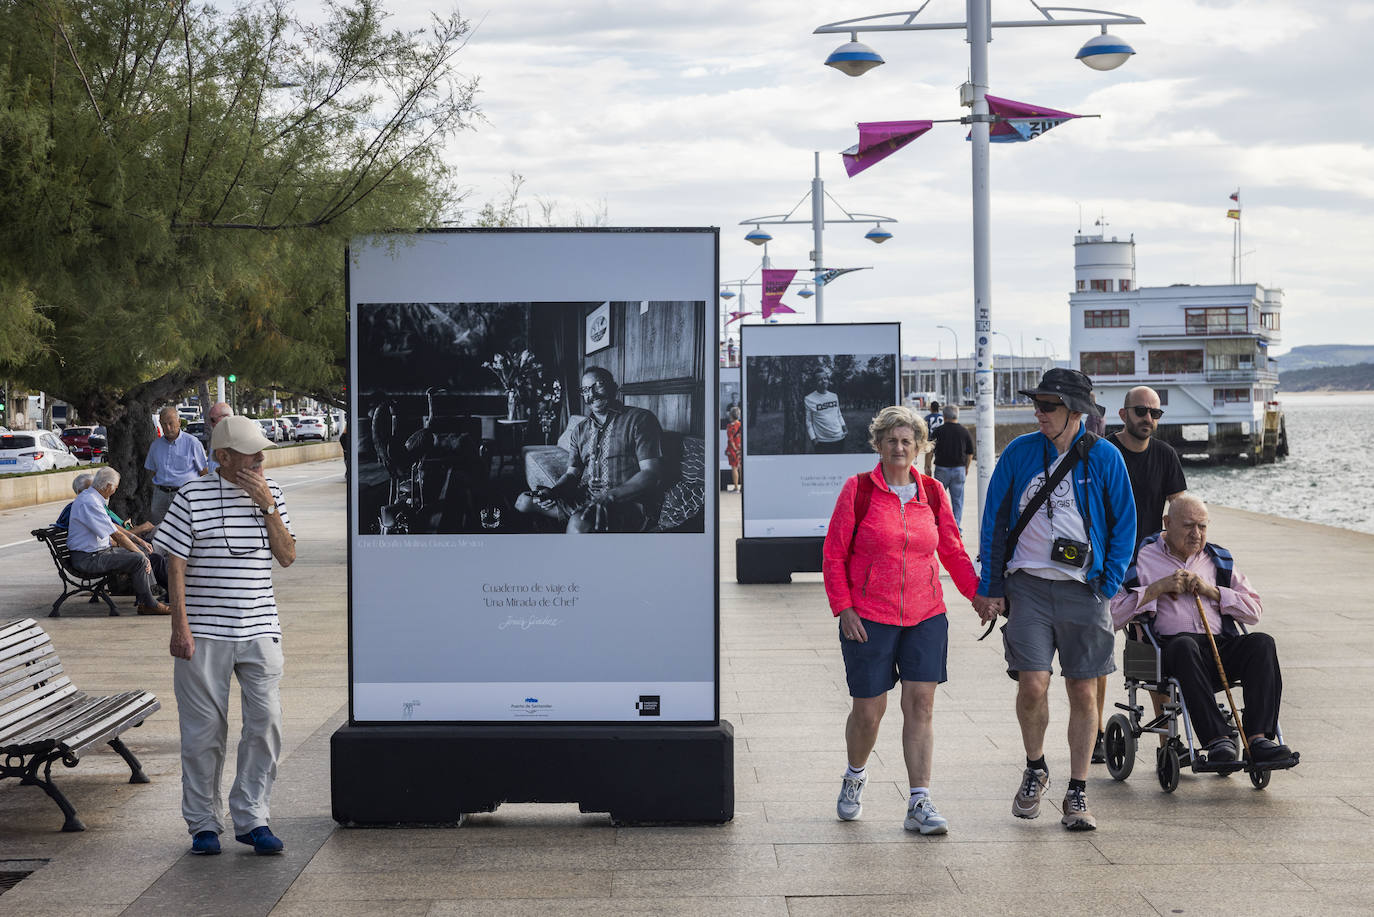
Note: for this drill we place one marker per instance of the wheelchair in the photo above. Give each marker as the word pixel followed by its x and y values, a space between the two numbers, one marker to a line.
pixel 1142 665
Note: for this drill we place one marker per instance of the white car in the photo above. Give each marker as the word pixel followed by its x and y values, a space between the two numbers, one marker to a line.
pixel 312 428
pixel 33 450
pixel 269 429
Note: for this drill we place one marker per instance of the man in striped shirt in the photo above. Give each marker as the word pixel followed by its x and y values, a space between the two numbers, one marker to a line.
pixel 221 534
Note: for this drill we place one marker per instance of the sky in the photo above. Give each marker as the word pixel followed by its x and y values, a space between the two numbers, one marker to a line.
pixel 707 112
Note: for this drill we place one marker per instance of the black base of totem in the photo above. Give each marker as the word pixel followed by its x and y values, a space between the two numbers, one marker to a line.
pixel 774 560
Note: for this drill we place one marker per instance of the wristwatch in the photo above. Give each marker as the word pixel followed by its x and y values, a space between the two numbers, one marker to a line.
pixel 270 510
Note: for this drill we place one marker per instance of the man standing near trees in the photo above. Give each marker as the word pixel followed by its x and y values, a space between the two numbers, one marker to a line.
pixel 174 460
pixel 825 425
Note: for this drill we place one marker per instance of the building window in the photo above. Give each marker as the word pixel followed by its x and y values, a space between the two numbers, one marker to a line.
pixel 1106 318
pixel 1218 320
pixel 1082 285
pixel 1222 396
pixel 1269 320
pixel 1108 363
pixel 1173 362
pixel 1101 286
pixel 1163 394
pixel 1124 286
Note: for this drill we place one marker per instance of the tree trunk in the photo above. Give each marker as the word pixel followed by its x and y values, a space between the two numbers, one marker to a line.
pixel 131 434
pixel 205 401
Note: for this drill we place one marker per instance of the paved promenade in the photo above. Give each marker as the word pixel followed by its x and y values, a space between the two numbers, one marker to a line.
pixel 1216 846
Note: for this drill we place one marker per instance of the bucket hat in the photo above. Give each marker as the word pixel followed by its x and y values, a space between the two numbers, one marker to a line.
pixel 1072 386
pixel 241 434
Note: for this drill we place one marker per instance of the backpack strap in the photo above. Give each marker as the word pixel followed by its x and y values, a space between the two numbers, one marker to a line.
pixel 863 498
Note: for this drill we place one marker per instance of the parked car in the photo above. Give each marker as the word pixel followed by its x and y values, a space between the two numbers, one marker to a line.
pixel 85 442
pixel 200 430
pixel 288 429
pixel 270 429
pixel 33 450
pixel 312 428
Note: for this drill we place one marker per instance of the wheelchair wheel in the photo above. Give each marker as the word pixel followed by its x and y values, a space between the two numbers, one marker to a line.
pixel 1260 778
pixel 1167 768
pixel 1119 744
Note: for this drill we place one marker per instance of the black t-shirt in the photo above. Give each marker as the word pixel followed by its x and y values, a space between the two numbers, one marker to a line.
pixel 1155 474
pixel 953 445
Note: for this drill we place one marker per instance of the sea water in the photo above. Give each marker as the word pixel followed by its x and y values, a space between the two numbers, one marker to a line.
pixel 1326 477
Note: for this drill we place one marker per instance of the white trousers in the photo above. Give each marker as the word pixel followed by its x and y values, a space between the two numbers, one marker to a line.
pixel 202 692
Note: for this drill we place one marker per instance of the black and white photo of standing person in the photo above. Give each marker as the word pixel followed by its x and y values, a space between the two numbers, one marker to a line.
pixel 614 478
pixel 824 422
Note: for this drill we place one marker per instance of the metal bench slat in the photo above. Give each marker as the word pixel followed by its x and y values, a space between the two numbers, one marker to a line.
pixel 111 720
pixel 52 697
pixel 52 722
pixel 24 679
pixel 23 655
pixel 21 641
pixel 14 626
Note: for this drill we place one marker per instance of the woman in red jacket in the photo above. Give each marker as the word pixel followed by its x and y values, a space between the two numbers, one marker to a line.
pixel 883 582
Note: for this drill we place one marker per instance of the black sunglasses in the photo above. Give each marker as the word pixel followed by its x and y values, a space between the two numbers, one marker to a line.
pixel 1047 407
pixel 1140 411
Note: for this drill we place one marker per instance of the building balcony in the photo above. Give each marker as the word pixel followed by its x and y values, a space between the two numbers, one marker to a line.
pixel 1193 333
pixel 1242 375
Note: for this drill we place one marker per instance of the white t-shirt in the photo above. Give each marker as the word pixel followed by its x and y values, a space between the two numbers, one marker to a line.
pixel 221 534
pixel 1033 547
pixel 823 419
pixel 904 492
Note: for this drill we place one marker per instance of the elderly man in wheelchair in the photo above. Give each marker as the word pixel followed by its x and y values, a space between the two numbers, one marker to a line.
pixel 1177 577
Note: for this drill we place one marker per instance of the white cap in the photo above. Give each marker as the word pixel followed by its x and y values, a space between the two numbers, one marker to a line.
pixel 241 434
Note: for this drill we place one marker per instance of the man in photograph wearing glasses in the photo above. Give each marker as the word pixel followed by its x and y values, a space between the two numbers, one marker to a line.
pixel 221 534
pixel 614 481
pixel 1054 579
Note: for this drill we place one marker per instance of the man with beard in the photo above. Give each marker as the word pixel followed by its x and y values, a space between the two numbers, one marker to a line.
pixel 614 481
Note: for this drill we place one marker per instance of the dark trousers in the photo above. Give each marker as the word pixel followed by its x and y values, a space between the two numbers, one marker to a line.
pixel 130 562
pixel 833 448
pixel 1248 658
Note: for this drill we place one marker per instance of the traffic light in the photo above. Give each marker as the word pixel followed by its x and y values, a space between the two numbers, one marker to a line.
pixel 233 378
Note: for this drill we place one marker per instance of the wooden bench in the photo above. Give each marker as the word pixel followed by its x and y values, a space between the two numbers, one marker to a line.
pixel 73 581
pixel 44 718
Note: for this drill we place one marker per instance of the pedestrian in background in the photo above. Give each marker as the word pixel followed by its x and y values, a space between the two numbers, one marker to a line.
pixel 174 460
pixel 951 457
pixel 734 447
pixel 891 529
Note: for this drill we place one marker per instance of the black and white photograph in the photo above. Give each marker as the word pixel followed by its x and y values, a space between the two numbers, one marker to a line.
pixel 815 404
pixel 531 417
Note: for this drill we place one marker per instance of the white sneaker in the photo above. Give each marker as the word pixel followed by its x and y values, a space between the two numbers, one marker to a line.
pixel 850 804
pixel 921 816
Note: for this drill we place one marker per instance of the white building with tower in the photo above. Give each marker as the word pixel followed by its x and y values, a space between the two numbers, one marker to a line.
pixel 1204 348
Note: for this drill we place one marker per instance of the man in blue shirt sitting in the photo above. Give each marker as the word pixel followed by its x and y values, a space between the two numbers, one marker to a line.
pixel 90 533
pixel 174 460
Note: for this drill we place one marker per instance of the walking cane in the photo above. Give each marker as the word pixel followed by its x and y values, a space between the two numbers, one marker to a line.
pixel 1225 683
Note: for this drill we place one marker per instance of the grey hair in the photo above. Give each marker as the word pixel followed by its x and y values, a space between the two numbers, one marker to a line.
pixel 82 481
pixel 105 477
pixel 898 415
pixel 168 410
pixel 950 411
pixel 1187 498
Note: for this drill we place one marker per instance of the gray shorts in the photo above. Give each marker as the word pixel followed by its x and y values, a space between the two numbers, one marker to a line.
pixel 1064 615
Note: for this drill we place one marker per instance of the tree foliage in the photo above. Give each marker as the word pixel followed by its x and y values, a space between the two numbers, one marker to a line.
pixel 178 183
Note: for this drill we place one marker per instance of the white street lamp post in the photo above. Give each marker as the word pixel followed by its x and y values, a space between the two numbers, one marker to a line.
pixel 1103 52
pixel 817 221
pixel 957 391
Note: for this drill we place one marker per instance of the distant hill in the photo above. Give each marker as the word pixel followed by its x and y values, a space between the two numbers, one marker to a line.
pixel 1311 356
pixel 1357 378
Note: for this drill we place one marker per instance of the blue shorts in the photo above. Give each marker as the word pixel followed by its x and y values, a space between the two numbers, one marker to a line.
pixel 913 653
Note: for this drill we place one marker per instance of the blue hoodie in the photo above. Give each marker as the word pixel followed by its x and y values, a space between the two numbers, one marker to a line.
pixel 1103 485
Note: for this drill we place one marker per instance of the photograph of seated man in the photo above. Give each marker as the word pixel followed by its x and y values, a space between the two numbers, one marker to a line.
pixel 528 418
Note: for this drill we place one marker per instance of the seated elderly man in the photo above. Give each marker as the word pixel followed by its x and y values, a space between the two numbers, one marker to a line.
pixel 1169 572
pixel 90 533
pixel 80 483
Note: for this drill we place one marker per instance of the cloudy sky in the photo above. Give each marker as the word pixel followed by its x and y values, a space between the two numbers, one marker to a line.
pixel 707 112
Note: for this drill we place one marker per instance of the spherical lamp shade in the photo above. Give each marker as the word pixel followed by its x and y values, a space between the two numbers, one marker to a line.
pixel 854 58
pixel 877 235
pixel 1104 52
pixel 805 293
pixel 758 237
pixel 727 294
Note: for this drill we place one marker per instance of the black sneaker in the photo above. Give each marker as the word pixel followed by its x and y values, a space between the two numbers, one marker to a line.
pixel 1099 752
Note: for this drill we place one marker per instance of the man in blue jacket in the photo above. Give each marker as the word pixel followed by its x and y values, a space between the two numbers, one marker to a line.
pixel 1054 579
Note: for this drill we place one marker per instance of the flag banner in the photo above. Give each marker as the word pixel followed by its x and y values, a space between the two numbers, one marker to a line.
pixel 879 140
pixel 736 316
pixel 1233 214
pixel 1019 122
pixel 1236 197
pixel 824 278
pixel 775 284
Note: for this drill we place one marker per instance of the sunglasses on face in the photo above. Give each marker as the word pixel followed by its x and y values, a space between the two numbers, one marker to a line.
pixel 1140 411
pixel 1047 407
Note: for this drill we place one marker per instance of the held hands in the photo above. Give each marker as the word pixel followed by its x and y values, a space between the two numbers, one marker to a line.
pixel 1182 582
pixel 988 607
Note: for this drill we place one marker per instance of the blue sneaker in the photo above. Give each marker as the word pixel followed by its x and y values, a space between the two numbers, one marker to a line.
pixel 205 843
pixel 262 840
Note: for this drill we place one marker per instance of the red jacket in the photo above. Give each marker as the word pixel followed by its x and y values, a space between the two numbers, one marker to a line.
pixel 891 575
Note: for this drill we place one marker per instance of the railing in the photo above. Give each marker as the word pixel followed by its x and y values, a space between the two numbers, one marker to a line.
pixel 1241 375
pixel 1196 331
